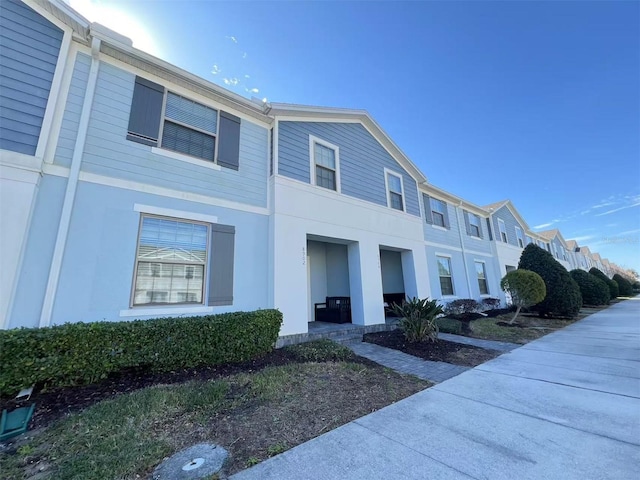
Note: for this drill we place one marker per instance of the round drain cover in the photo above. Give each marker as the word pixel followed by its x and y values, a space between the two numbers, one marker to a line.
pixel 193 464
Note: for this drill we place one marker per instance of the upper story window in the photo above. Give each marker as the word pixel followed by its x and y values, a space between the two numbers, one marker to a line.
pixel 519 237
pixel 439 212
pixel 475 229
pixel 503 231
pixel 173 122
pixel 395 190
pixel 529 239
pixel 325 164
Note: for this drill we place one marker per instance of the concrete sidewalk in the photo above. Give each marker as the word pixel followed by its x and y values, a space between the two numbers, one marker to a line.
pixel 566 406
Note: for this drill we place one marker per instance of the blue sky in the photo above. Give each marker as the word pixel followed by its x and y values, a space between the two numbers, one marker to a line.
pixel 538 102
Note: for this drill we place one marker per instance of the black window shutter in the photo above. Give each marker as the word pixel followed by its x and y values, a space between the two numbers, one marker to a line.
pixel 446 215
pixel 229 141
pixel 426 200
pixel 146 109
pixel 489 229
pixel 221 265
pixel 467 225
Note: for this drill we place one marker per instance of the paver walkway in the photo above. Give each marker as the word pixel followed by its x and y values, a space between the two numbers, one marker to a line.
pixel 564 406
pixel 478 342
pixel 405 363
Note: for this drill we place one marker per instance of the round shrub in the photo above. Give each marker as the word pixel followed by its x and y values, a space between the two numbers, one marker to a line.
pixel 563 294
pixel 526 288
pixel 614 290
pixel 594 291
pixel 624 285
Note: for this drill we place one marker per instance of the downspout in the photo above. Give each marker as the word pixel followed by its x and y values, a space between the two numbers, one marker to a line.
pixel 72 187
pixel 464 256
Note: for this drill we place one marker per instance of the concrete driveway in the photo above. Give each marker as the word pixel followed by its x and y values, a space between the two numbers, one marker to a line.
pixel 566 406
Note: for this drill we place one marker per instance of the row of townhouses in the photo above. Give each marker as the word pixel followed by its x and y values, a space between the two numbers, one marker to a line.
pixel 132 189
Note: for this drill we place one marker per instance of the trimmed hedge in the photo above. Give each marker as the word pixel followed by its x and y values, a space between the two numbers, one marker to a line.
pixel 82 353
pixel 614 290
pixel 624 285
pixel 563 294
pixel 594 290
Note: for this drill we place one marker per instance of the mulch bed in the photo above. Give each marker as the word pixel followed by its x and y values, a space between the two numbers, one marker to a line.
pixel 56 403
pixel 440 351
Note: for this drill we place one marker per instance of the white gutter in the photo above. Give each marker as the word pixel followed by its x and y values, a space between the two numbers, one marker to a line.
pixel 464 256
pixel 72 187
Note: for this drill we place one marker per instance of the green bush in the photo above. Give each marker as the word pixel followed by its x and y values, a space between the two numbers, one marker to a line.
pixel 449 325
pixel 614 290
pixel 526 288
pixel 563 294
pixel 320 351
pixel 624 285
pixel 594 290
pixel 462 305
pixel 82 353
pixel 418 319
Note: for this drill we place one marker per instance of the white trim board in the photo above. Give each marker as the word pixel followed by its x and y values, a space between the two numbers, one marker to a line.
pixel 170 212
pixel 60 171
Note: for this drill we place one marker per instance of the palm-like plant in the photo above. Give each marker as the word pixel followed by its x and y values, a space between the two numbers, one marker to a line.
pixel 418 319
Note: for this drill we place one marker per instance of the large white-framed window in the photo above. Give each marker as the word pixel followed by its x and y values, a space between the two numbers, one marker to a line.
pixel 325 164
pixel 395 190
pixel 438 212
pixel 519 237
pixel 481 274
pixel 171 261
pixel 475 228
pixel 503 231
pixel 446 277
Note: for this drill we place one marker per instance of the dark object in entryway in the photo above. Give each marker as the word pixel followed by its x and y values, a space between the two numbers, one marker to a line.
pixel 334 310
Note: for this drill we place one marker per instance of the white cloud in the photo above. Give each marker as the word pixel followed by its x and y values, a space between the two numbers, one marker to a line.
pixel 232 38
pixel 231 81
pixel 215 70
pixel 244 55
pixel 247 76
pixel 264 100
pixel 543 225
pixel 583 238
pixel 253 90
pixel 608 212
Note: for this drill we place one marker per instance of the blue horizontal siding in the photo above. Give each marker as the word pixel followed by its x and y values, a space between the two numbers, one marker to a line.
pixel 107 152
pixel 450 236
pixel 72 111
pixel 362 160
pixel 29 50
pixel 510 223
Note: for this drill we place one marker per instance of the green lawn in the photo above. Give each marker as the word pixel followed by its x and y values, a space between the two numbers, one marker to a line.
pixel 254 415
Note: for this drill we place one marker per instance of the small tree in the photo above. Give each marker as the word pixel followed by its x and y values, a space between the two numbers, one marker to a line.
pixel 624 285
pixel 614 290
pixel 418 319
pixel 525 287
pixel 594 290
pixel 563 294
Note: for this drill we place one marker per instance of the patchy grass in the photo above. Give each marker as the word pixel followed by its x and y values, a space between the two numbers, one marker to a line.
pixel 254 415
pixel 528 327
